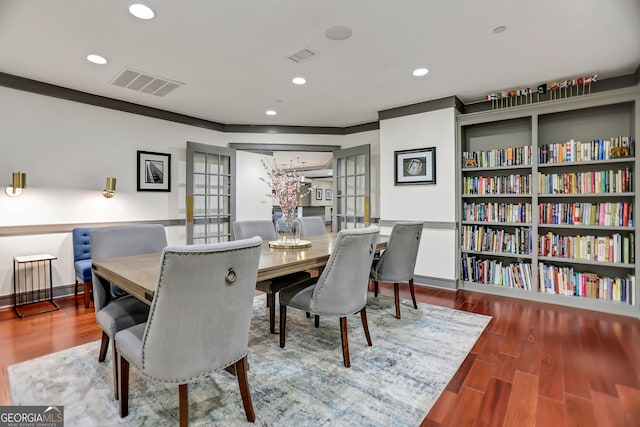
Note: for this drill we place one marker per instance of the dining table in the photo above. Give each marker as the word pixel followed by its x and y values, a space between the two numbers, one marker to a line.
pixel 138 274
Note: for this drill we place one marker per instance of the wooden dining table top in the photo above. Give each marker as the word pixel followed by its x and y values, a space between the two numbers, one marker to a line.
pixel 138 274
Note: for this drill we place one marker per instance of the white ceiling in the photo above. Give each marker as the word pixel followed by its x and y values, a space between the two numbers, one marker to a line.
pixel 232 55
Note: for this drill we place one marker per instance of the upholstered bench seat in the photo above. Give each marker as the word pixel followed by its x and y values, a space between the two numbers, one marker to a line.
pixel 83 269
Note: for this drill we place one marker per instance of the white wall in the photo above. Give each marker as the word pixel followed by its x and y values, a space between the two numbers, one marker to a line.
pixel 255 202
pixel 430 203
pixel 68 150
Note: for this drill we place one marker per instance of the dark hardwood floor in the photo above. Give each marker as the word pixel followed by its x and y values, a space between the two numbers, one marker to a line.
pixel 535 364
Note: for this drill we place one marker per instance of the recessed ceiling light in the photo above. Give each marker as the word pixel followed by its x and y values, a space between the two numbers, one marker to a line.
pixel 339 32
pixel 271 112
pixel 419 72
pixel 500 29
pixel 96 59
pixel 141 11
pixel 299 80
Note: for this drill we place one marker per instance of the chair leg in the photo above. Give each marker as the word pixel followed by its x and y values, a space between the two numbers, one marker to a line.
pixel 241 371
pixel 103 347
pixel 87 294
pixel 413 293
pixel 396 291
pixel 115 370
pixel 365 325
pixel 75 292
pixel 375 288
pixel 316 321
pixel 271 303
pixel 308 314
pixel 123 384
pixel 345 342
pixel 283 324
pixel 183 405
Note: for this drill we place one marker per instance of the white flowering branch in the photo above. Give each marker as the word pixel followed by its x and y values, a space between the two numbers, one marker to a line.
pixel 285 183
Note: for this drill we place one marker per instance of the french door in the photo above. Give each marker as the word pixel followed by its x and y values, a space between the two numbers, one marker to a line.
pixel 211 188
pixel 351 188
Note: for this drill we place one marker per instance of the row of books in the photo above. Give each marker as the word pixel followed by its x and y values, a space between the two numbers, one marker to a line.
pixel 484 271
pixel 566 281
pixel 552 279
pixel 497 212
pixel 498 157
pixel 614 248
pixel 609 181
pixel 604 214
pixel 510 184
pixel 485 239
pixel 578 151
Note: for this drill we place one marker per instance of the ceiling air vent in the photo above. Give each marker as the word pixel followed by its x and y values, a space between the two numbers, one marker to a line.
pixel 303 55
pixel 145 82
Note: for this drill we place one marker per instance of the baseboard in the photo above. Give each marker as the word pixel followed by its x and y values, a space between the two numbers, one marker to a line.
pixel 58 292
pixel 436 282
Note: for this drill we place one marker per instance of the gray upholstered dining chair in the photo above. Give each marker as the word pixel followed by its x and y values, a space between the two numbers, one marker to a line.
pixel 266 230
pixel 312 226
pixel 398 260
pixel 341 289
pixel 199 320
pixel 115 312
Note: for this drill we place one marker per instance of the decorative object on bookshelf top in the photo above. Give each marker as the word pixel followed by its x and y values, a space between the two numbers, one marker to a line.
pixel 619 152
pixel 557 90
pixel 471 163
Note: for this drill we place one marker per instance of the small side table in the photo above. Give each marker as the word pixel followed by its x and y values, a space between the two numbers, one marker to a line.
pixel 33 282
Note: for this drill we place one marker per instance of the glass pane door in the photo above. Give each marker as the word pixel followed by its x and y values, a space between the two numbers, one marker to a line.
pixel 351 188
pixel 210 193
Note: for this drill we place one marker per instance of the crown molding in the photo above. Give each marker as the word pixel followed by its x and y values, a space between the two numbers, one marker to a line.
pixel 47 89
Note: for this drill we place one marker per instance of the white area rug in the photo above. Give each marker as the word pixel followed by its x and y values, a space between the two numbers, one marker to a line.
pixel 393 383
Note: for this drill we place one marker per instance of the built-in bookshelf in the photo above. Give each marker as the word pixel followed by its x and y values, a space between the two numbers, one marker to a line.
pixel 546 203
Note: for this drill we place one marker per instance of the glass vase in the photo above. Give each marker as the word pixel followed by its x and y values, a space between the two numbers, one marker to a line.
pixel 288 230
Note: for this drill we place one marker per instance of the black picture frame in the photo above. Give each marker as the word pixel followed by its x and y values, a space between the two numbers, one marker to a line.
pixel 318 193
pixel 416 166
pixel 328 194
pixel 154 171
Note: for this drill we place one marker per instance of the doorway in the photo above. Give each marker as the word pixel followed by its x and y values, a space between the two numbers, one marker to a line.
pixel 342 176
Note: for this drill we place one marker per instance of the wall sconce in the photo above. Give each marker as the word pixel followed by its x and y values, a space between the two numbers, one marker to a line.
pixel 110 189
pixel 19 182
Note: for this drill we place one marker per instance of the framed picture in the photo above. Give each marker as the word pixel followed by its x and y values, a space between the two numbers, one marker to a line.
pixel 328 194
pixel 415 166
pixel 318 193
pixel 154 171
